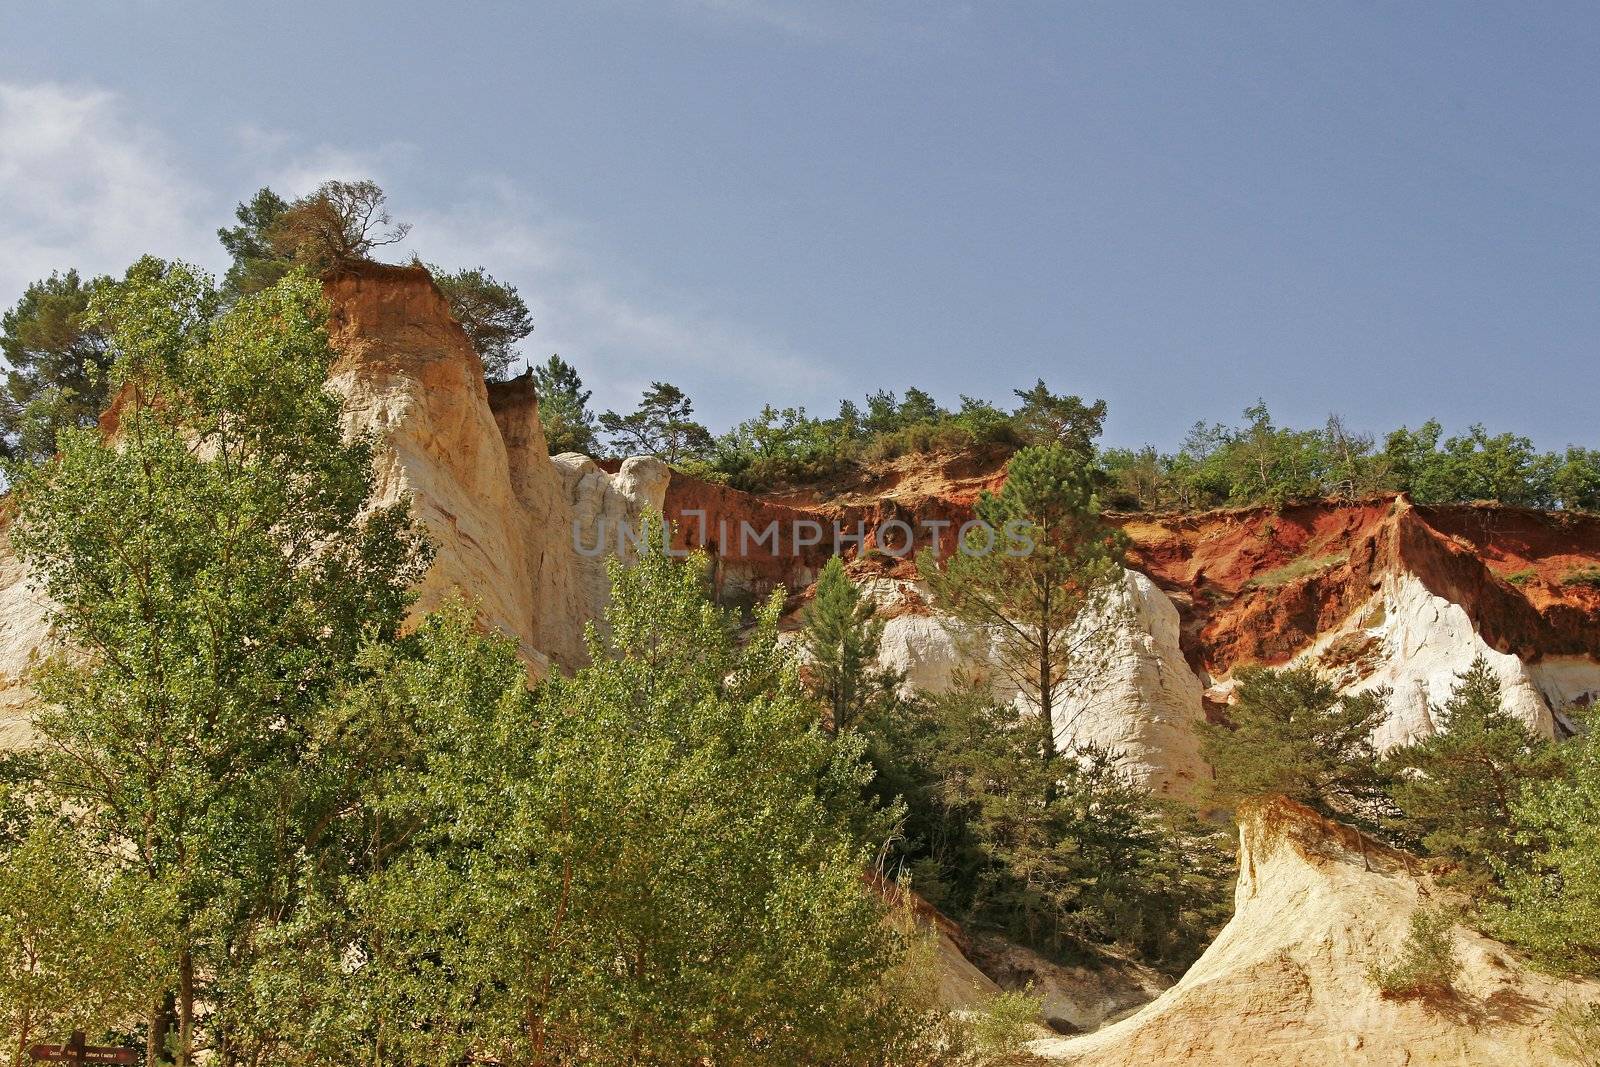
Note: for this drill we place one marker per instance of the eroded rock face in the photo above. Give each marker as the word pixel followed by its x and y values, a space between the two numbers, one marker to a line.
pixel 1286 980
pixel 1138 698
pixel 1416 644
pixel 24 632
pixel 1377 592
pixel 504 517
pixel 506 520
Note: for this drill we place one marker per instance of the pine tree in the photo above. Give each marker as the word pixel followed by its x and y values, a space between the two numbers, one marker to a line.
pixel 1290 732
pixel 1044 562
pixel 58 360
pixel 492 313
pixel 564 408
pixel 1046 418
pixel 1458 789
pixel 662 426
pixel 842 635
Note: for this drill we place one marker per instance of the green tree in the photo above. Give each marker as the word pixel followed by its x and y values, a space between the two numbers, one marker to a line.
pixel 919 406
pixel 491 312
pixel 1458 789
pixel 217 569
pixel 73 954
pixel 1427 963
pixel 338 223
pixel 1576 481
pixel 1470 466
pixel 1046 418
pixel 662 426
pixel 256 263
pixel 657 860
pixel 1289 732
pixel 842 636
pixel 1043 561
pixel 1552 889
pixel 1066 854
pixel 58 361
pixel 569 425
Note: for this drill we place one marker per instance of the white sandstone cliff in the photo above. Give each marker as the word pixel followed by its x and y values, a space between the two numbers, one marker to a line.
pixel 1286 980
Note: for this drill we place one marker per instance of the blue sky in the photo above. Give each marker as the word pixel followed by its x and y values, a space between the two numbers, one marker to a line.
pixel 1387 210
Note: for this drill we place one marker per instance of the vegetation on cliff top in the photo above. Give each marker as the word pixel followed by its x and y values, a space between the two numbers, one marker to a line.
pixel 57 379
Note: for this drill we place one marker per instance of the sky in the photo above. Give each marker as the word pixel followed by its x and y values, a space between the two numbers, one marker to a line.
pixel 1390 211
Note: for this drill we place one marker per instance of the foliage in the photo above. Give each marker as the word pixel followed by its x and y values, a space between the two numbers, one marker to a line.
pixel 218 569
pixel 1061 854
pixel 73 952
pixel 1296 569
pixel 841 638
pixel 492 313
pixel 1045 418
pixel 58 362
pixel 1005 1023
pixel 256 264
pixel 1471 466
pixel 338 223
pixel 661 426
pixel 656 860
pixel 1577 1032
pixel 1589 576
pixel 1263 463
pixel 1552 889
pixel 1427 964
pixel 569 425
pixel 779 446
pixel 1459 788
pixel 1290 733
pixel 1025 601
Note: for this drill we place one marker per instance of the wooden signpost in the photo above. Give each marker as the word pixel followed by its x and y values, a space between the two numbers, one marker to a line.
pixel 76 1051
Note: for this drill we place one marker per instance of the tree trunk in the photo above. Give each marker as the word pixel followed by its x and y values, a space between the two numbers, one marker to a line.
pixel 1047 717
pixel 185 1009
pixel 155 1040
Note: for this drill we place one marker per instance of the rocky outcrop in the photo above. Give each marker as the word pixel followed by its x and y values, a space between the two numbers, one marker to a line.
pixel 1136 696
pixel 1259 585
pixel 506 521
pixel 24 632
pixel 1286 980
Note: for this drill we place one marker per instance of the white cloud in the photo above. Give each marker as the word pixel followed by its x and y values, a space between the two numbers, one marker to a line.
pixel 84 185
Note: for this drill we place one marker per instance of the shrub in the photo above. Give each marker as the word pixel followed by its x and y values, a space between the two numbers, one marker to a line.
pixel 1589 576
pixel 1427 963
pixel 1577 1032
pixel 1005 1023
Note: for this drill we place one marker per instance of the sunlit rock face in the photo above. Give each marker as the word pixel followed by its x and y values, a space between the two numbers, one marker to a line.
pixel 1377 592
pixel 506 520
pixel 1286 983
pixel 1134 694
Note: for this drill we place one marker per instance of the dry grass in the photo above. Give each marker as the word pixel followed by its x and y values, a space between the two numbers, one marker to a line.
pixel 1295 569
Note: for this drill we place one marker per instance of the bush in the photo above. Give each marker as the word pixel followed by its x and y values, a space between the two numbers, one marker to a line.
pixel 1577 1031
pixel 1005 1024
pixel 1589 576
pixel 1427 964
